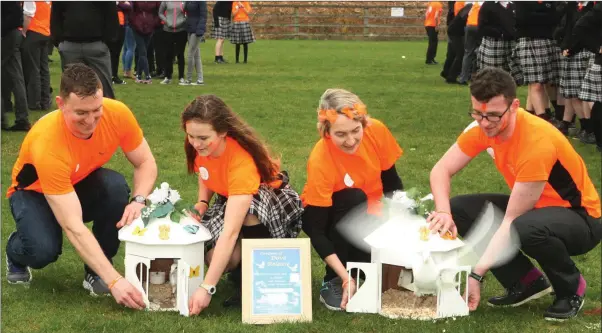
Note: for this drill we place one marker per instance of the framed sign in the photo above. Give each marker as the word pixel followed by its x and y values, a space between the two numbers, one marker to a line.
pixel 276 280
pixel 397 12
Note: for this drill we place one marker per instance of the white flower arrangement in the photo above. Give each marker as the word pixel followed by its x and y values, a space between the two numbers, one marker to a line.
pixel 414 201
pixel 165 201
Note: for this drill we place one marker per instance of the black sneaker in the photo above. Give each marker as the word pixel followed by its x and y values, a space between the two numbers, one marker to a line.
pixel 588 138
pixel 20 127
pixel 331 294
pixel 520 294
pixel 95 285
pixel 564 308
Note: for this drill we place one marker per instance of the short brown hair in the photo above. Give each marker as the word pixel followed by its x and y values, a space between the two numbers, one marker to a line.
pixel 491 82
pixel 80 80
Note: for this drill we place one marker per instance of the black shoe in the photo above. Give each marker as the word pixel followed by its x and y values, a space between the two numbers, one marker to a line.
pixel 564 308
pixel 118 80
pixel 588 138
pixel 599 148
pixel 20 127
pixel 520 294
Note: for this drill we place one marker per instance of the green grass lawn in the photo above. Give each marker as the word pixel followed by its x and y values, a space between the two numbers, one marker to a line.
pixel 278 93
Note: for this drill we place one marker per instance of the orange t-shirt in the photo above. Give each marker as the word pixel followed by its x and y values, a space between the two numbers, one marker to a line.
pixel 121 17
pixel 458 5
pixel 241 15
pixel 473 15
pixel 52 160
pixel 40 22
pixel 234 172
pixel 330 170
pixel 539 152
pixel 433 14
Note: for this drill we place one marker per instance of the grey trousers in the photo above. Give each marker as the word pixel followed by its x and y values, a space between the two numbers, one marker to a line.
pixel 12 78
pixel 34 55
pixel 471 44
pixel 96 55
pixel 194 57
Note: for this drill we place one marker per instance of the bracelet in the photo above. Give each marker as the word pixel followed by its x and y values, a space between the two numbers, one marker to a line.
pixel 476 277
pixel 205 202
pixel 443 212
pixel 346 282
pixel 112 284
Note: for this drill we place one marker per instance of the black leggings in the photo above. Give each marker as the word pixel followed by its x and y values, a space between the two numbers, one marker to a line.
pixel 550 235
pixel 115 50
pixel 175 44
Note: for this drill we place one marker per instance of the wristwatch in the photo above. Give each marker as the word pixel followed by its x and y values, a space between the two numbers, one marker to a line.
pixel 210 289
pixel 138 199
pixel 477 277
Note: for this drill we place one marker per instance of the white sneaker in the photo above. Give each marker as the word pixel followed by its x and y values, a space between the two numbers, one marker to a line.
pixel 198 83
pixel 166 81
pixel 183 82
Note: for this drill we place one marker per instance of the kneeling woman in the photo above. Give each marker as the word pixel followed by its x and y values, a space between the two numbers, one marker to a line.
pixel 350 168
pixel 252 197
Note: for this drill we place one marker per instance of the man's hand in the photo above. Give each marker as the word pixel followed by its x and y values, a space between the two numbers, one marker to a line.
pixel 565 53
pixel 199 301
pixel 442 222
pixel 126 294
pixel 474 294
pixel 131 212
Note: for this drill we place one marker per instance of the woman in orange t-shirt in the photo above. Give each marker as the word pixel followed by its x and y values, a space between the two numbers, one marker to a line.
pixel 348 171
pixel 252 197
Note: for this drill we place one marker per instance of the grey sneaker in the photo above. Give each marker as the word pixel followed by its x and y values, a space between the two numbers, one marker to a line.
pixel 17 274
pixel 331 294
pixel 198 83
pixel 95 285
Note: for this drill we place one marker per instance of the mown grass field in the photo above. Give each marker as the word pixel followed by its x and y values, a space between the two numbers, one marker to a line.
pixel 277 92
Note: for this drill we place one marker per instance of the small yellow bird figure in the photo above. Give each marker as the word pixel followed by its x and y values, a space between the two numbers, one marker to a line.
pixel 195 271
pixel 164 232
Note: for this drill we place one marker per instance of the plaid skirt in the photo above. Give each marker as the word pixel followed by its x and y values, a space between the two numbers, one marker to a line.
pixel 242 33
pixel 224 30
pixel 280 210
pixel 591 88
pixel 574 71
pixel 498 53
pixel 558 65
pixel 537 58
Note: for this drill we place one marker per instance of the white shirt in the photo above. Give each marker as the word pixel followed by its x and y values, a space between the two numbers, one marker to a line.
pixel 29 8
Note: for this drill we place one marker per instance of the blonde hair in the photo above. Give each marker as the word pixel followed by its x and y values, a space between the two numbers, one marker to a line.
pixel 336 99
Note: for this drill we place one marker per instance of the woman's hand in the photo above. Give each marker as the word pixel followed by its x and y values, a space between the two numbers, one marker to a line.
pixel 351 284
pixel 199 301
pixel 441 222
pixel 200 207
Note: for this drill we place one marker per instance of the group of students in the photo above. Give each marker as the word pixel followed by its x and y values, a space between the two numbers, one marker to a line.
pixel 554 48
pixel 169 27
pixel 59 181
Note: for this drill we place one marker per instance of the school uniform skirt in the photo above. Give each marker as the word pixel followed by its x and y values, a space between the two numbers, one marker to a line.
pixel 223 28
pixel 574 70
pixel 498 53
pixel 591 88
pixel 537 59
pixel 558 64
pixel 242 33
pixel 279 209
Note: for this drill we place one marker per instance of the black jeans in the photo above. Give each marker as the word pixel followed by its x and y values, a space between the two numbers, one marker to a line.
pixel 457 45
pixel 174 45
pixel 115 50
pixel 39 237
pixel 343 202
pixel 549 235
pixel 431 51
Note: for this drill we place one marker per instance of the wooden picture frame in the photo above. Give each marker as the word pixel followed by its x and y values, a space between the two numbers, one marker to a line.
pixel 276 280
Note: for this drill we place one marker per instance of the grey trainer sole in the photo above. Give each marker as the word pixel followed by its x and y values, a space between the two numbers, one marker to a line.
pixel 22 282
pixel 532 297
pixel 89 288
pixel 332 308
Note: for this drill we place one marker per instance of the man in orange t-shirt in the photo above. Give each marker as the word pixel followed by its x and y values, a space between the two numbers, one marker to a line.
pixel 58 182
pixel 553 208
pixel 431 24
pixel 349 170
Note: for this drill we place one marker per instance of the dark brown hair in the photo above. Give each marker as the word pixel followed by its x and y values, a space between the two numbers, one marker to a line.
pixel 80 80
pixel 210 109
pixel 491 82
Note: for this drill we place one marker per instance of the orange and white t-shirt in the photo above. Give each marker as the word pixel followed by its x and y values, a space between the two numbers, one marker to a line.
pixel 433 14
pixel 473 15
pixel 52 159
pixel 241 14
pixel 539 152
pixel 40 22
pixel 330 170
pixel 234 172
